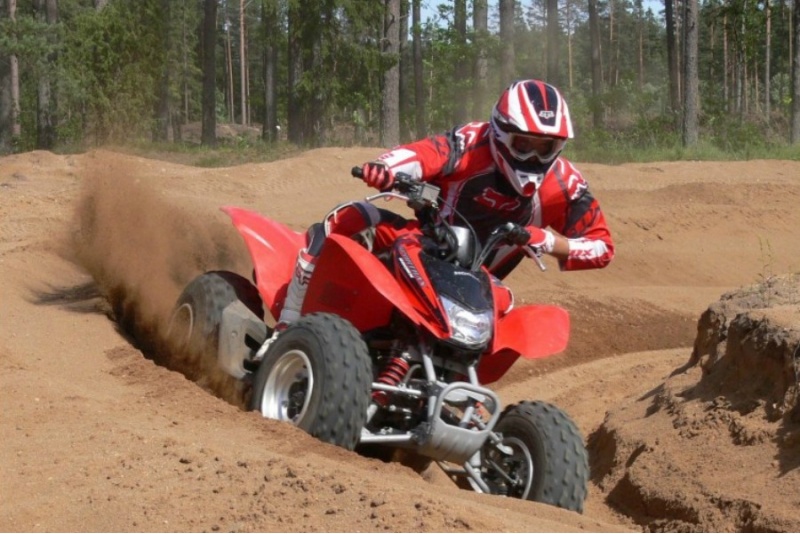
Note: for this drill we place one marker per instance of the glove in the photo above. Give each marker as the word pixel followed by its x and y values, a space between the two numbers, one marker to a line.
pixel 543 240
pixel 377 174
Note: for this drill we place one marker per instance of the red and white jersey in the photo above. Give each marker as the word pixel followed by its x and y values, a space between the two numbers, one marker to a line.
pixel 460 163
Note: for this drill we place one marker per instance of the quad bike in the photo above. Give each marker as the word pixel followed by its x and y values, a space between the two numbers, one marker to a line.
pixel 394 350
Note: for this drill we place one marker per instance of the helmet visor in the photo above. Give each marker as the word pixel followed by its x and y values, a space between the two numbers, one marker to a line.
pixel 525 146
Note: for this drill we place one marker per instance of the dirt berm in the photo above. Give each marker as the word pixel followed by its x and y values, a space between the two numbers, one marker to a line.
pixel 733 414
pixel 99 436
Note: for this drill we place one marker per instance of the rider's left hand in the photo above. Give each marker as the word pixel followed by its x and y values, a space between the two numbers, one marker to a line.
pixel 543 240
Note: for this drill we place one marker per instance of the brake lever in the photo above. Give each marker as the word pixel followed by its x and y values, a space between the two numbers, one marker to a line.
pixel 535 253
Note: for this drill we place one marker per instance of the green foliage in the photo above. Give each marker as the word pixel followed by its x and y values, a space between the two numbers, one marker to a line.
pixel 658 140
pixel 29 39
pixel 229 152
pixel 32 41
pixel 111 62
pixel 108 67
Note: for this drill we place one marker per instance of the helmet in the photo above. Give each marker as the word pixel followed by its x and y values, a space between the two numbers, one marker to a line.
pixel 530 126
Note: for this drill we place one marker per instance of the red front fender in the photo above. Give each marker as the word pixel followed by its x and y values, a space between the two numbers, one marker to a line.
pixel 531 332
pixel 351 282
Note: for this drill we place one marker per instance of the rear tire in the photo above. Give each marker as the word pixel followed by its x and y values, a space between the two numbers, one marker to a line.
pixel 193 330
pixel 317 375
pixel 548 460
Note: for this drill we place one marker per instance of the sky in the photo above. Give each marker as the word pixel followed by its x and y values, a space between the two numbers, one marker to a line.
pixel 429 7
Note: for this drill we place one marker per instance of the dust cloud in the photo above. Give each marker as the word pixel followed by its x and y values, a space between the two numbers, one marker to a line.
pixel 141 248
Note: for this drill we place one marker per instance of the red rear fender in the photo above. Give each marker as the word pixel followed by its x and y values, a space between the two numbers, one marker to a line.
pixel 273 248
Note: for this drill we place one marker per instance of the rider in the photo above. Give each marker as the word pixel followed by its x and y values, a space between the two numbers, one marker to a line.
pixel 507 169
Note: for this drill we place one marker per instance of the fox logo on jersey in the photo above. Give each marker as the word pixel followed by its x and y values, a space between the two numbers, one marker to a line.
pixel 496 200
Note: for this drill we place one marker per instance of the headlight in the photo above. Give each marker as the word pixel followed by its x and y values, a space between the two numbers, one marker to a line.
pixel 469 328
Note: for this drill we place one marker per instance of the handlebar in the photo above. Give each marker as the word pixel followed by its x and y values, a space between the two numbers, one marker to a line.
pixel 418 194
pixel 402 182
pixel 422 195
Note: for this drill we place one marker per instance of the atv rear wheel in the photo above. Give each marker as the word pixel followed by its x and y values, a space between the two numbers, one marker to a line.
pixel 317 375
pixel 194 326
pixel 541 458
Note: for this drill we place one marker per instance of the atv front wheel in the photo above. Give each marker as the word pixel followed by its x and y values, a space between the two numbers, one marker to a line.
pixel 541 457
pixel 194 326
pixel 317 375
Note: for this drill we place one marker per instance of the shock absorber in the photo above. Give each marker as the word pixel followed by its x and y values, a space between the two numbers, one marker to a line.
pixel 391 375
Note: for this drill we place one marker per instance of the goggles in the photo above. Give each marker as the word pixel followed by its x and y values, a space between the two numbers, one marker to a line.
pixel 525 146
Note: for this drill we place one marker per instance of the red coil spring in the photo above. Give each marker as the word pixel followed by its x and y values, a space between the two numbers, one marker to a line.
pixel 392 374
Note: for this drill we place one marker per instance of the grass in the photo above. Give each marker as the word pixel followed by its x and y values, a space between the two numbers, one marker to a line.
pixel 615 155
pixel 648 141
pixel 226 154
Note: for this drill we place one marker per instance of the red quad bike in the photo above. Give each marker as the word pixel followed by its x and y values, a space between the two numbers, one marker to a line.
pixel 394 351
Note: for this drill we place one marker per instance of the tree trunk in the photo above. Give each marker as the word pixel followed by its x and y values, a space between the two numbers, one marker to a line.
pixel 230 103
pixel 316 129
pixel 786 18
pixel 184 116
pixel 47 11
pixel 480 24
pixel 5 94
pixel 672 57
pixel 242 64
pixel 597 66
pixel 756 85
pixel 691 81
pixel 507 67
pixel 795 125
pixel 610 77
pixel 295 112
pixel 743 55
pixel 16 128
pixel 390 108
pixel 269 17
pixel 726 79
pixel 405 75
pixel 419 81
pixel 553 36
pixel 740 70
pixel 161 111
pixel 570 69
pixel 462 66
pixel 209 128
pixel 767 66
pixel 640 38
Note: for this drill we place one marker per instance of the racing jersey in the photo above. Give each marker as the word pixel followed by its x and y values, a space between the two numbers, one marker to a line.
pixel 473 189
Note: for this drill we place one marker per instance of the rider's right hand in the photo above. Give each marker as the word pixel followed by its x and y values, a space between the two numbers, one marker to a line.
pixel 378 175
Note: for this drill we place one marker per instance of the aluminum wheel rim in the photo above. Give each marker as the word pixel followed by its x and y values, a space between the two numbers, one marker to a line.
pixel 181 325
pixel 287 391
pixel 513 475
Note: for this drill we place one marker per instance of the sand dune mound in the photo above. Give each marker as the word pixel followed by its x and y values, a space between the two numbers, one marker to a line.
pixel 101 434
pixel 734 404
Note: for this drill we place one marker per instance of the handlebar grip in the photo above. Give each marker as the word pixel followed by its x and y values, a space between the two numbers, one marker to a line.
pixel 518 235
pixel 357 172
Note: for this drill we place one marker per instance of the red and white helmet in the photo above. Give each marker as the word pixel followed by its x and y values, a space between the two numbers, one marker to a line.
pixel 530 126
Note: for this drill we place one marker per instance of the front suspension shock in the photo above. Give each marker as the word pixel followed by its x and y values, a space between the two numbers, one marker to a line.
pixel 392 374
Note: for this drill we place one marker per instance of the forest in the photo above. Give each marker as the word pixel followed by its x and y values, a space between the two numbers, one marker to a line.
pixel 668 75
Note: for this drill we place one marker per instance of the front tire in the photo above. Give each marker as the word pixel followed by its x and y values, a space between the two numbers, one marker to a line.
pixel 317 375
pixel 542 458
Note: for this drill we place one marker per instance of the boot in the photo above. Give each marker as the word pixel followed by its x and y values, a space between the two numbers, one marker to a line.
pixel 296 292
